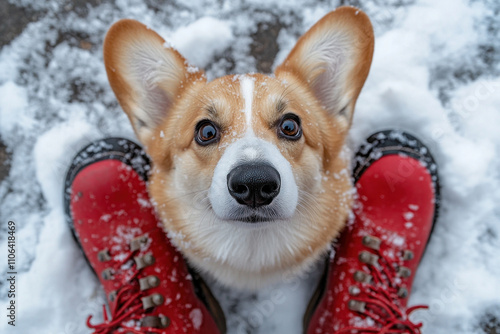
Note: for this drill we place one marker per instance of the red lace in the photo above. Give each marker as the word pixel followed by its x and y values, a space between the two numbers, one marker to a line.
pixel 128 306
pixel 381 299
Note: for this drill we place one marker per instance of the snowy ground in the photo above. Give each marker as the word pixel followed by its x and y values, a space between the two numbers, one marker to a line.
pixel 435 73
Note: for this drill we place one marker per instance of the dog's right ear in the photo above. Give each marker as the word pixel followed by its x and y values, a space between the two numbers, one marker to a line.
pixel 146 75
pixel 333 58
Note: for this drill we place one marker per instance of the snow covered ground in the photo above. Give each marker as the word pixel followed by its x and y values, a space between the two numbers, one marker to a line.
pixel 435 73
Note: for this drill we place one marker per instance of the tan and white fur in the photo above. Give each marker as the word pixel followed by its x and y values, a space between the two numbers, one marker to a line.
pixel 165 98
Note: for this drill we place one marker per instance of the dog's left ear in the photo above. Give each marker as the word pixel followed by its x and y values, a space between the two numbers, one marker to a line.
pixel 146 74
pixel 333 58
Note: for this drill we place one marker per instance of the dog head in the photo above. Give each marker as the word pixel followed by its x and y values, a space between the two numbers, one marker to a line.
pixel 249 173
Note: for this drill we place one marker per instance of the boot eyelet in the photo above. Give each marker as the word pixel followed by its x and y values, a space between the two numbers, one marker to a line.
pixel 152 300
pixel 165 321
pixel 152 321
pixel 372 242
pixel 357 306
pixel 404 272
pixel 103 256
pixel 144 261
pixel 149 282
pixel 138 242
pixel 402 292
pixel 158 299
pixel 362 277
pixel 368 258
pixel 112 296
pixel 107 274
pixel 408 255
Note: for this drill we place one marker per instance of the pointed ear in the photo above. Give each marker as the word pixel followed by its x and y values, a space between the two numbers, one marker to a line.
pixel 146 75
pixel 333 58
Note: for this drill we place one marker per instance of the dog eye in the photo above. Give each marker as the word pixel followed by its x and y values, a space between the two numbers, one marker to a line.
pixel 290 127
pixel 206 133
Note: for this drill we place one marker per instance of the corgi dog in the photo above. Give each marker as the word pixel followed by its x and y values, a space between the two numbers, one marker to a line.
pixel 249 173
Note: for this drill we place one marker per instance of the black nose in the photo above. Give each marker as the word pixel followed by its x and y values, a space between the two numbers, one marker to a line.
pixel 254 184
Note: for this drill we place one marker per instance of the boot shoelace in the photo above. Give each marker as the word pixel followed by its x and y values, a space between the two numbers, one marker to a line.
pixel 129 308
pixel 378 294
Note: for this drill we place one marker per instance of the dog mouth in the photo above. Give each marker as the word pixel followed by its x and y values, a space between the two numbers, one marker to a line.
pixel 254 218
pixel 241 215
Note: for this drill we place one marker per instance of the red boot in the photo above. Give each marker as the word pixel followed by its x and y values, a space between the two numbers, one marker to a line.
pixel 369 280
pixel 148 286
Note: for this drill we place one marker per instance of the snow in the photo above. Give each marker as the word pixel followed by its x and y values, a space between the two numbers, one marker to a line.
pixel 435 73
pixel 196 317
pixel 15 108
pixel 208 34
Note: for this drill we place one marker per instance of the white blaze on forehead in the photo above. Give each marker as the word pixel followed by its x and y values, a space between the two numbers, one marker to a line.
pixel 250 153
pixel 247 86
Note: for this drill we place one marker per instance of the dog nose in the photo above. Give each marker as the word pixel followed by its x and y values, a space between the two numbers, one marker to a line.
pixel 254 184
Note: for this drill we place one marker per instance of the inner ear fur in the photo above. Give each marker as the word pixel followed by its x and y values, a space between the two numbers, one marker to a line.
pixel 146 75
pixel 333 58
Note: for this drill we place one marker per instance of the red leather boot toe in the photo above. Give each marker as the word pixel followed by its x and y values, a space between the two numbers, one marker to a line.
pixel 148 286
